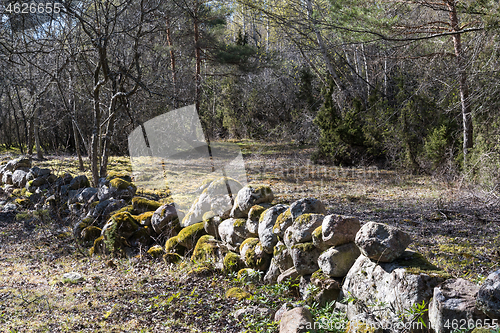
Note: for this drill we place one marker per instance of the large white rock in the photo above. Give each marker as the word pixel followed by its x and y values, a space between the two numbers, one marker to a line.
pixel 297 320
pixel 453 305
pixel 382 292
pixel 305 258
pixel 381 242
pixel 249 196
pixel 229 236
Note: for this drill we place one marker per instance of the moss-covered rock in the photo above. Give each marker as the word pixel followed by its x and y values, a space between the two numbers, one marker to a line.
pixel 90 234
pixel 141 205
pixel 188 236
pixel 171 258
pixel 126 209
pixel 209 249
pixel 144 218
pixel 142 237
pixel 360 327
pixel 248 275
pixel 165 220
pixel 79 226
pixel 172 245
pixel 238 294
pixel 121 184
pixel 232 262
pixel 283 222
pixel 201 271
pixel 116 231
pixel 253 255
pixel 156 251
pixel 211 223
pixel 253 219
pixel 114 174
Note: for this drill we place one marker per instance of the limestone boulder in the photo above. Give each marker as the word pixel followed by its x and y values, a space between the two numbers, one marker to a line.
pixel 306 206
pixel 266 224
pixel 253 254
pixel 337 261
pixel 302 229
pixel 228 234
pixel 290 274
pixel 305 258
pixel 282 257
pixel 297 320
pixel 253 219
pixel 380 289
pixel 454 303
pixel 250 196
pixel 165 220
pixel 381 242
pixel 19 178
pixel 488 296
pixel 338 229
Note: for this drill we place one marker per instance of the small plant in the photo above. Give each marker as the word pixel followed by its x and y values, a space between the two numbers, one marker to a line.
pixel 416 313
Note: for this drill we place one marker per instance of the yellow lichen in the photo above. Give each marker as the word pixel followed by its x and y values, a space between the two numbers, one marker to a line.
pixel 238 293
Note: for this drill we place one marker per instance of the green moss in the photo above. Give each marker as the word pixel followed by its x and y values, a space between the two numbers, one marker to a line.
pixel 304 247
pixel 248 275
pixel 360 327
pixel 303 219
pixel 190 235
pixel 144 216
pixel 283 221
pixel 90 234
pixel 156 251
pixel 201 271
pixel 121 184
pixel 172 245
pixel 97 248
pixel 238 223
pixel 171 258
pixel 278 249
pixel 320 275
pixel 251 242
pixel 255 212
pixel 232 262
pixel 94 204
pixel 415 263
pixel 208 215
pixel 126 209
pixel 22 202
pixel 119 226
pixel 238 293
pixel 121 175
pixel 205 248
pixel 318 232
pixel 187 217
pixel 30 183
pixel 144 205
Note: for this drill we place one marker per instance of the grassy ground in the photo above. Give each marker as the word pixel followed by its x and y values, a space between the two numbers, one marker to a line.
pixel 455 226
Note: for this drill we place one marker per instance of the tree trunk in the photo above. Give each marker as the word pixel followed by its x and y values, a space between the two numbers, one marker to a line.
pixel 36 130
pixel 94 144
pixel 198 63
pixel 462 79
pixel 17 124
pixel 172 64
pixel 107 137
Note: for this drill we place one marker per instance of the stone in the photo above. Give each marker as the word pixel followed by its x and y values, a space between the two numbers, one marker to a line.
pixel 188 237
pixel 117 188
pixel 290 274
pixel 79 182
pixel 114 234
pixel 454 303
pixel 381 242
pixel 238 294
pixel 253 255
pixel 211 224
pixel 488 296
pixel 283 222
pixel 7 178
pixel 387 289
pixel 297 320
pixel 72 277
pixel 165 220
pixel 266 224
pixel 19 178
pixel 284 308
pixel 313 293
pixel 215 198
pixel 282 257
pixel 338 229
pixel 337 261
pixel 302 229
pixel 253 219
pixel 305 258
pixel 142 205
pixel 306 206
pixel 208 248
pixel 87 194
pixel 253 312
pixel 273 272
pixel 249 196
pixel 228 235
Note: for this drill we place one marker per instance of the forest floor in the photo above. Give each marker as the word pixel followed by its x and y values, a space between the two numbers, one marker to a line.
pixel 454 224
